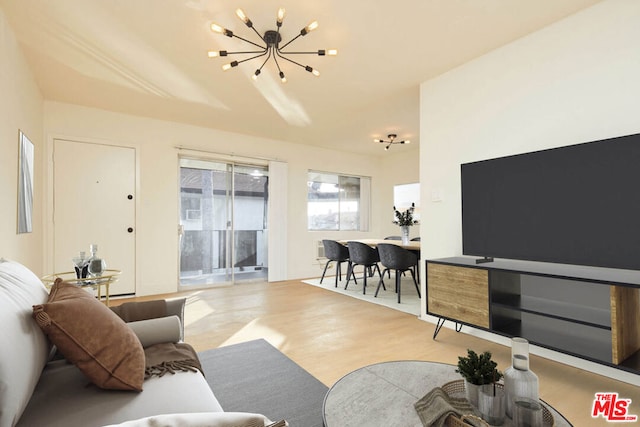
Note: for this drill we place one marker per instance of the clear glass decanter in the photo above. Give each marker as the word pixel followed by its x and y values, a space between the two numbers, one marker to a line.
pixel 519 380
pixel 96 264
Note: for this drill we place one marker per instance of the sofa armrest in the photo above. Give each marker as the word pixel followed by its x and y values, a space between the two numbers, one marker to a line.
pixel 156 331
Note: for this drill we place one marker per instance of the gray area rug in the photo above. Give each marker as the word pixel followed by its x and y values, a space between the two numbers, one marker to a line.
pixel 256 377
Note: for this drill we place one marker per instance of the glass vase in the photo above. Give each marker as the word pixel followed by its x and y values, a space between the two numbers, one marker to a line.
pixel 519 380
pixel 472 392
pixel 491 403
pixel 405 234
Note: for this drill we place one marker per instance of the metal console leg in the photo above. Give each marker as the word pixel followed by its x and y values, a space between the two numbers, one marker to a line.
pixel 440 324
pixel 438 327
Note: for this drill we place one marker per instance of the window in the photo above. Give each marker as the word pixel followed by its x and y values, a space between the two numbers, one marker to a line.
pixel 337 202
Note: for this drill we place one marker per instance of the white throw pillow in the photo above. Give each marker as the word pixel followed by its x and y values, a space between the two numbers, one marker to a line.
pixel 200 419
pixel 156 331
pixel 24 349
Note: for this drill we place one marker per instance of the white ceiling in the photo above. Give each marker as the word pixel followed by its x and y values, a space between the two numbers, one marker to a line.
pixel 149 58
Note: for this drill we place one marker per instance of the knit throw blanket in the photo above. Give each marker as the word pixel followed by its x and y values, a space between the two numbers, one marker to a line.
pixel 135 311
pixel 170 358
pixel 436 406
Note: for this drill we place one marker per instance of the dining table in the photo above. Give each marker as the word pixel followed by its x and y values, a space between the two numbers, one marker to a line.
pixel 412 245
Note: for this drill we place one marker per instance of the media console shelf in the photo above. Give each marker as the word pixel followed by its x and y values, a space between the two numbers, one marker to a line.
pixel 588 312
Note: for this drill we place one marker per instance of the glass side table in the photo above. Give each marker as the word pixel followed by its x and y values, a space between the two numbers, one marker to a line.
pixel 98 283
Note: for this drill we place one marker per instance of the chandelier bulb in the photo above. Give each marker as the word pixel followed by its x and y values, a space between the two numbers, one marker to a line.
pixel 280 18
pixel 255 75
pixel 330 52
pixel 215 53
pixel 312 71
pixel 312 26
pixel 244 18
pixel 217 28
pixel 230 65
pixel 283 79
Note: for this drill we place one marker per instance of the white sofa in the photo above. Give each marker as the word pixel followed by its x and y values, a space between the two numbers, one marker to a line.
pixel 37 390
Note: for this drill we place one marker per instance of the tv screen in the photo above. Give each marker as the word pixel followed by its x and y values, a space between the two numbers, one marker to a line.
pixel 578 204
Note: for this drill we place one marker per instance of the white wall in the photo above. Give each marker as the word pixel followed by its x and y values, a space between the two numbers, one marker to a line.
pixel 20 109
pixel 575 81
pixel 572 82
pixel 157 215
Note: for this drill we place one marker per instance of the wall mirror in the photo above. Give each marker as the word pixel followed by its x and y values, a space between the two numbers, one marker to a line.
pixel 25 185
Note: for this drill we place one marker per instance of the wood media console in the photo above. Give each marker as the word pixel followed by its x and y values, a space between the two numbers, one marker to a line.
pixel 588 312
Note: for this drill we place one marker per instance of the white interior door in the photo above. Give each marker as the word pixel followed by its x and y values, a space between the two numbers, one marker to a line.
pixel 94 203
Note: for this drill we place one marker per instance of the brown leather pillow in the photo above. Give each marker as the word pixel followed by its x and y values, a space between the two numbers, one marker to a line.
pixel 92 337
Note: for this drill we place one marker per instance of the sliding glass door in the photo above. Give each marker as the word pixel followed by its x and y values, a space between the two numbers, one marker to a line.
pixel 223 223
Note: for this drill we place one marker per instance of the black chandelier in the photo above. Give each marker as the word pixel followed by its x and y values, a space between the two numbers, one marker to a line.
pixel 392 140
pixel 271 48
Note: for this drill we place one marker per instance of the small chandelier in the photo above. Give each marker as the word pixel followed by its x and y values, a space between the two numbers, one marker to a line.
pixel 271 47
pixel 392 140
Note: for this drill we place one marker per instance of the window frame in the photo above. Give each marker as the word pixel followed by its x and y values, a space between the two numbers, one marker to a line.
pixel 363 211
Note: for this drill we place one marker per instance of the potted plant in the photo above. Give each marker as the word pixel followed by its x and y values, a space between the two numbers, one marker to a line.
pixel 405 220
pixel 477 371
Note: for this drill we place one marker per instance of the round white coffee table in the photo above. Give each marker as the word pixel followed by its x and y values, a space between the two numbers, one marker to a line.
pixel 383 395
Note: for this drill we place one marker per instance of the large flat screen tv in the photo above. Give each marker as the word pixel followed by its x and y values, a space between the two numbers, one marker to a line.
pixel 578 204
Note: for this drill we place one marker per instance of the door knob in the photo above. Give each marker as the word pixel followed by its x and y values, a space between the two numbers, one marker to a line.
pixel 130 229
pixel 130 196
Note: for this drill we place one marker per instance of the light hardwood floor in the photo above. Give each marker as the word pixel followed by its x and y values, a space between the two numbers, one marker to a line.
pixel 330 335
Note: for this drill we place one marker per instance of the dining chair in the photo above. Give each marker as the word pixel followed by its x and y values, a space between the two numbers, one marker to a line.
pixel 335 251
pixel 366 256
pixel 392 238
pixel 393 257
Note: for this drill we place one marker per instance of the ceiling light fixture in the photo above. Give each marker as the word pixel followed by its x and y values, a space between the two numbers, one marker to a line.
pixel 271 48
pixel 392 140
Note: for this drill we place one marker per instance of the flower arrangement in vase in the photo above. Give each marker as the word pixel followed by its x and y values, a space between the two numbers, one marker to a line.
pixel 405 220
pixel 477 371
